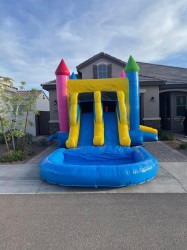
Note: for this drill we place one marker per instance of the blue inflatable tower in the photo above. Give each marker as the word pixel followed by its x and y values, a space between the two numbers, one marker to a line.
pixel 131 71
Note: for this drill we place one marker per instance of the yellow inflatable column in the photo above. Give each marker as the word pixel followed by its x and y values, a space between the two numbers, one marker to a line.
pixel 123 129
pixel 98 139
pixel 74 122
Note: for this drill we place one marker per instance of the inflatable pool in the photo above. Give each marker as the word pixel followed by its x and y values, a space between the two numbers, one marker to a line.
pixel 107 166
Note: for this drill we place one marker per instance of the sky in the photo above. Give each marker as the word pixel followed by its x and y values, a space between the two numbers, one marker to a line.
pixel 36 34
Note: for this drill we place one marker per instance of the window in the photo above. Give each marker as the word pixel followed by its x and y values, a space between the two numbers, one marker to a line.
pixel 181 104
pixel 102 71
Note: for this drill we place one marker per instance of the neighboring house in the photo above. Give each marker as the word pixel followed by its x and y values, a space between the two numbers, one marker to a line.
pixel 8 83
pixel 39 122
pixel 163 90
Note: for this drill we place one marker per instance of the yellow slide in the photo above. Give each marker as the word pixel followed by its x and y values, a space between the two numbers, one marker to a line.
pixel 123 129
pixel 74 122
pixel 98 139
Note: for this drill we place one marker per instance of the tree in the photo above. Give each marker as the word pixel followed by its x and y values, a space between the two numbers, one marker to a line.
pixel 28 103
pixel 4 121
pixel 16 104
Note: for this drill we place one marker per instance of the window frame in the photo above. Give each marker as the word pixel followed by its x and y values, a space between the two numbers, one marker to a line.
pixel 103 72
pixel 178 105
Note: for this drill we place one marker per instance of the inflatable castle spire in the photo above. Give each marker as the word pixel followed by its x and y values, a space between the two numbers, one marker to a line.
pixel 62 75
pixel 131 71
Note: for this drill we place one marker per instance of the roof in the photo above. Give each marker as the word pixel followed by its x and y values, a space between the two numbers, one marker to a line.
pixel 167 74
pixel 147 80
pixel 25 93
pixel 49 85
pixel 99 56
pixel 149 73
pixel 170 74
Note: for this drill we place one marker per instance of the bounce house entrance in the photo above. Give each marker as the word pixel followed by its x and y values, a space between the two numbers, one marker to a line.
pixel 86 107
pixel 109 106
pixel 86 102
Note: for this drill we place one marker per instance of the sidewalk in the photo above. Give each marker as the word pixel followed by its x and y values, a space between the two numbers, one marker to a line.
pixel 171 177
pixel 180 137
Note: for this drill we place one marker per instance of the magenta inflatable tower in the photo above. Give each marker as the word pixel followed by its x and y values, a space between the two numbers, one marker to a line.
pixel 62 75
pixel 122 74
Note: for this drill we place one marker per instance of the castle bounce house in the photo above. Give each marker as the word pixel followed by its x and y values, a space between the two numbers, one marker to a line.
pixel 100 138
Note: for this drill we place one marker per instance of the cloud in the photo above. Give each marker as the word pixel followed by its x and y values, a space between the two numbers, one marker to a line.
pixel 35 37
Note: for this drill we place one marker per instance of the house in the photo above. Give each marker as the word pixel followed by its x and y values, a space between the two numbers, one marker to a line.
pixel 163 90
pixel 39 122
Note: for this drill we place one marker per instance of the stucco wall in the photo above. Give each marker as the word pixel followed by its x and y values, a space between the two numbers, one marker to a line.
pixel 87 72
pixel 31 117
pixel 151 106
pixel 42 103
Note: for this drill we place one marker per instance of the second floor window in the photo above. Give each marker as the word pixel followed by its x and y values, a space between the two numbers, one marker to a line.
pixel 102 71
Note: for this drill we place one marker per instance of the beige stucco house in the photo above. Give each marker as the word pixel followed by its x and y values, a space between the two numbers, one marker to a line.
pixel 39 127
pixel 163 90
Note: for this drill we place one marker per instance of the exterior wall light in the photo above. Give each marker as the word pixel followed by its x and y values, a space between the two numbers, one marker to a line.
pixel 152 98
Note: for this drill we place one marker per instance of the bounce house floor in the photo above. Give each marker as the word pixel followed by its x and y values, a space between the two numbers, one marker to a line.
pixel 106 166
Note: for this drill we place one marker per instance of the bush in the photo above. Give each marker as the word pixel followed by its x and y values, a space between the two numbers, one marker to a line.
pixel 29 138
pixel 19 141
pixel 183 145
pixel 43 142
pixel 166 135
pixel 28 150
pixel 13 156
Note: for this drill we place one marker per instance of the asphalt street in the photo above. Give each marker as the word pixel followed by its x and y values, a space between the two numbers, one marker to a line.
pixel 93 221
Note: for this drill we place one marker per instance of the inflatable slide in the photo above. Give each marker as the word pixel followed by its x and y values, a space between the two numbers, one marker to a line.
pixel 100 140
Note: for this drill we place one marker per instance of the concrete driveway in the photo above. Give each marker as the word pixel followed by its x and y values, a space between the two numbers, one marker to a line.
pixel 171 177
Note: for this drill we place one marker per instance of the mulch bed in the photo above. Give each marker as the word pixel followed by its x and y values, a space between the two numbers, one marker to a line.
pixel 35 148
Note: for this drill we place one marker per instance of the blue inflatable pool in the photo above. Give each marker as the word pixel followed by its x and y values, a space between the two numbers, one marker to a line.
pixel 107 166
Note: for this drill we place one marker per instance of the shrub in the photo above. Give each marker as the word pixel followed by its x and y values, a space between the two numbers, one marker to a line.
pixel 12 156
pixel 166 135
pixel 183 145
pixel 28 150
pixel 20 140
pixel 29 138
pixel 43 142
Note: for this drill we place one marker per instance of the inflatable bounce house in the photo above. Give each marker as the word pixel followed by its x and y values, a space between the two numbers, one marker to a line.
pixel 100 134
